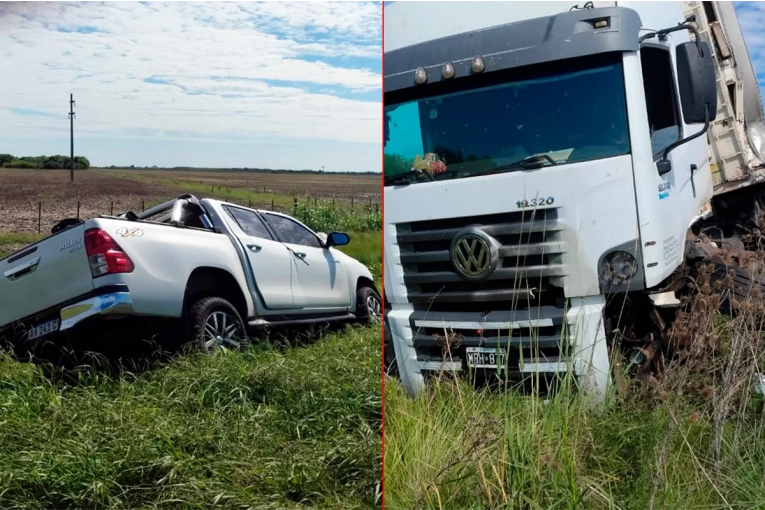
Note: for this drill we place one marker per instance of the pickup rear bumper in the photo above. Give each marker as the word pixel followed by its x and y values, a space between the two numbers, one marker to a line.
pixel 111 303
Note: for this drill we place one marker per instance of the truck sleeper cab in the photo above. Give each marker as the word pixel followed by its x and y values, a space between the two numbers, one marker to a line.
pixel 552 163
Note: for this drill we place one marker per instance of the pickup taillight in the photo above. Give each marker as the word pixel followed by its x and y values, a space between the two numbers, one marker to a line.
pixel 105 255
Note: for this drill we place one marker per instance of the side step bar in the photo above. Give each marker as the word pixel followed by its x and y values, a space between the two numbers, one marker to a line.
pixel 260 323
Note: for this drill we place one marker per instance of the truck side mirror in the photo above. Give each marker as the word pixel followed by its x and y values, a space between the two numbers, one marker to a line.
pixel 698 91
pixel 697 82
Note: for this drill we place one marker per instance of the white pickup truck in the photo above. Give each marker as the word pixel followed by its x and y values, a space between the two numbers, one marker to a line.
pixel 219 267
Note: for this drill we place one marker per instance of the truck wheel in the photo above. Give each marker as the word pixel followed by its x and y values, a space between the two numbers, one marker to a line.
pixel 215 324
pixel 368 305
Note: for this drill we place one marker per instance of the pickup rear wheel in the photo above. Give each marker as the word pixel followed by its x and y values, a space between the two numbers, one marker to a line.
pixel 368 305
pixel 215 325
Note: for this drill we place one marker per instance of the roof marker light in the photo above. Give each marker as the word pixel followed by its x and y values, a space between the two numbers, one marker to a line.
pixel 448 71
pixel 420 76
pixel 477 65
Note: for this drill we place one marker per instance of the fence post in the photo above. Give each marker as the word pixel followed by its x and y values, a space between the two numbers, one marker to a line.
pixel 351 202
pixel 111 208
pixel 272 204
pixel 264 189
pixel 78 209
pixel 294 204
pixel 315 201
pixel 143 204
pixel 39 217
pixel 333 202
pixel 377 208
pixel 249 203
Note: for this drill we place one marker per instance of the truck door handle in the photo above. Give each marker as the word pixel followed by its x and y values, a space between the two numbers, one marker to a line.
pixel 299 255
pixel 693 184
pixel 254 248
pixel 22 270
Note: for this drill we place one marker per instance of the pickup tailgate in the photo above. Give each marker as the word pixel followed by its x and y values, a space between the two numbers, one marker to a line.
pixel 43 275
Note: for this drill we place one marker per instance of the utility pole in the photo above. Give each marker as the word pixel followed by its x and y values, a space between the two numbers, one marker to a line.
pixel 71 137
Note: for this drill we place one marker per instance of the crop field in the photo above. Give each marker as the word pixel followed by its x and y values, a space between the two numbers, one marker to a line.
pixel 32 201
pixel 293 421
pixel 358 187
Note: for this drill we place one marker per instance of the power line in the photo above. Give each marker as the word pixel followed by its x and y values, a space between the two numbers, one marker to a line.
pixel 71 137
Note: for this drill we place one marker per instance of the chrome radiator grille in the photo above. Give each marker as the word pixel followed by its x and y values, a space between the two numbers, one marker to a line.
pixel 529 253
pixel 519 307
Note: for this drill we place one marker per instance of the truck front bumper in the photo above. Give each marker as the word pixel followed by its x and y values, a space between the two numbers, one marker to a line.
pixel 112 303
pixel 587 358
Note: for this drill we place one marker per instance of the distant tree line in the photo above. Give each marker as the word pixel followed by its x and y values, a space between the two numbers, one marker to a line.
pixel 44 162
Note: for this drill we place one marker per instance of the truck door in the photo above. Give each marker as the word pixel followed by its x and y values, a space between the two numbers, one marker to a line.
pixel 323 279
pixel 273 269
pixel 679 193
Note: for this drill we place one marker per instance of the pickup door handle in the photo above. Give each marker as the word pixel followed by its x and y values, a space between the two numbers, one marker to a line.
pixel 299 255
pixel 254 248
pixel 22 270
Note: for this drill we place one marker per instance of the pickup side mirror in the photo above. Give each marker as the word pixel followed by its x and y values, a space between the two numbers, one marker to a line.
pixel 337 239
pixel 697 82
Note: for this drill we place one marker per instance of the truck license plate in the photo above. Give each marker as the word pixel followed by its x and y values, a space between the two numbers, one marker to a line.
pixel 44 329
pixel 485 357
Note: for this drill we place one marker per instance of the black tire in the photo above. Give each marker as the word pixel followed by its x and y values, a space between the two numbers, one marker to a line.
pixel 215 315
pixel 368 305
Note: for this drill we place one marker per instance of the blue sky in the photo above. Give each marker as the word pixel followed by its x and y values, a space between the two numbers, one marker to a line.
pixel 751 18
pixel 272 84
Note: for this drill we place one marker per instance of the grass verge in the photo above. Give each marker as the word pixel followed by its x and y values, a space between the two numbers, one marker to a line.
pixel 366 247
pixel 10 242
pixel 266 428
pixel 454 447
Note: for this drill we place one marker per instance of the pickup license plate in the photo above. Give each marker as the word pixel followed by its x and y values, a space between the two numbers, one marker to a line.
pixel 43 329
pixel 485 357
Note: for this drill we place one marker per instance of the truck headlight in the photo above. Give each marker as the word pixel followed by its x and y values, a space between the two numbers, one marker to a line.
pixel 619 267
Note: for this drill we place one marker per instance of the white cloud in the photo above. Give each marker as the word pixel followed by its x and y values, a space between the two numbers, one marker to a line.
pixel 219 70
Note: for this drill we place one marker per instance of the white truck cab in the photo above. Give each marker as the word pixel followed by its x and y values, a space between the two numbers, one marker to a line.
pixel 539 157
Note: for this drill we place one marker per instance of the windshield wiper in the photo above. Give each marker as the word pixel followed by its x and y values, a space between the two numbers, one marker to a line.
pixel 406 177
pixel 530 163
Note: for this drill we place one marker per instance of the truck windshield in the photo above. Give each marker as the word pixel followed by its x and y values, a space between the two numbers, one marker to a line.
pixel 560 113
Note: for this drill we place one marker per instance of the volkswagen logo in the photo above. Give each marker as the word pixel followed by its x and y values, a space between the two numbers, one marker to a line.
pixel 473 254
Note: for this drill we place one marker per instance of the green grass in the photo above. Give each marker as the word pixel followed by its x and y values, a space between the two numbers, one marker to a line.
pixel 9 242
pixel 18 238
pixel 267 428
pixel 454 447
pixel 366 247
pixel 323 216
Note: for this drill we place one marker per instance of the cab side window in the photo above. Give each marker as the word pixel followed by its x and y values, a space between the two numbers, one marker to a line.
pixel 292 232
pixel 661 98
pixel 249 222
